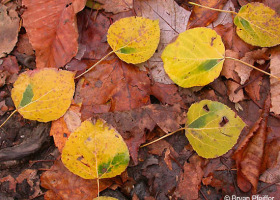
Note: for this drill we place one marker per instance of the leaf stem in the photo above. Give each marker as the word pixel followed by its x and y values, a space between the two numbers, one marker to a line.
pixel 180 129
pixel 215 9
pixel 8 118
pixel 252 66
pixel 94 65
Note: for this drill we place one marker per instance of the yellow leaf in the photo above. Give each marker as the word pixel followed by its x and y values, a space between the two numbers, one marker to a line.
pixel 104 198
pixel 212 128
pixel 195 58
pixel 95 151
pixel 258 25
pixel 43 95
pixel 134 39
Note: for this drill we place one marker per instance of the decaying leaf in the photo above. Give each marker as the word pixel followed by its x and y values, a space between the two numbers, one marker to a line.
pixel 105 198
pixel 52 30
pixel 249 155
pixel 62 184
pixel 115 6
pixel 95 150
pixel 190 179
pixel 196 57
pixel 201 16
pixel 134 39
pixel 43 95
pixel 258 25
pixel 233 96
pixel 173 19
pixel 275 84
pixel 212 128
pixel 9 27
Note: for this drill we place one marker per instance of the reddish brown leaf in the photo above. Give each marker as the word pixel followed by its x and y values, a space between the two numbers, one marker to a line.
pixel 229 66
pixel 116 6
pixel 167 159
pixel 234 97
pixel 189 180
pixel 52 30
pixel 249 155
pixel 157 148
pixel 253 89
pixel 275 84
pixel 122 85
pixel 24 46
pixel 202 16
pixel 64 185
pixel 133 124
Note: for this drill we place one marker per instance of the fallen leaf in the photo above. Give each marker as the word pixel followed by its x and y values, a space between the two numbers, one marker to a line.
pixel 52 30
pixel 233 96
pixel 95 150
pixel 24 46
pixel 133 124
pixel 62 184
pixel 253 89
pixel 223 17
pixel 116 85
pixel 43 95
pixel 229 66
pixel 258 25
pixel 195 59
pixel 212 128
pixel 158 147
pixel 244 71
pixel 249 155
pixel 118 6
pixel 134 39
pixel 167 159
pixel 201 17
pixel 105 198
pixel 10 67
pixel 275 84
pixel 173 19
pixel 9 28
pixel 190 179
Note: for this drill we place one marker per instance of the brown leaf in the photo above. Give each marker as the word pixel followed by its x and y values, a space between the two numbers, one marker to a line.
pixel 249 155
pixel 234 97
pixel 189 180
pixel 274 4
pixel 115 83
pixel 9 27
pixel 133 124
pixel 52 30
pixel 24 46
pixel 157 148
pixel 64 185
pixel 229 66
pixel 253 89
pixel 167 159
pixel 274 83
pixel 116 6
pixel 202 16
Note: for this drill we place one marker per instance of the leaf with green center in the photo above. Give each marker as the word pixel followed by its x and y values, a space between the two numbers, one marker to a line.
pixel 195 58
pixel 43 95
pixel 134 39
pixel 212 128
pixel 258 25
pixel 95 150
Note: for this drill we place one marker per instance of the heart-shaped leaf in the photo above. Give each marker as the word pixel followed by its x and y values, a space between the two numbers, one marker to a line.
pixel 258 25
pixel 95 150
pixel 43 94
pixel 134 39
pixel 212 128
pixel 195 58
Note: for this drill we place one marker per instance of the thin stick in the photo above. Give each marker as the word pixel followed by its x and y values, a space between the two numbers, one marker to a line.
pixel 94 64
pixel 252 66
pixel 219 10
pixel 180 129
pixel 8 118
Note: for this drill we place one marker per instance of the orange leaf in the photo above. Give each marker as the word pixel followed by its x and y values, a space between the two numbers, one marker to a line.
pixel 249 155
pixel 52 30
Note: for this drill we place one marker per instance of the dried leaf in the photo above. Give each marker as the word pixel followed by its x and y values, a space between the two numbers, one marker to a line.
pixel 9 27
pixel 134 39
pixel 173 19
pixel 52 30
pixel 62 184
pixel 249 155
pixel 95 150
pixel 275 84
pixel 201 16
pixel 43 95
pixel 115 6
pixel 195 59
pixel 228 70
pixel 234 97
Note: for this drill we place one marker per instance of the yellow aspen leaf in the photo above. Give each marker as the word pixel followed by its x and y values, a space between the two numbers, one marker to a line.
pixel 95 150
pixel 105 198
pixel 212 128
pixel 258 25
pixel 43 94
pixel 134 39
pixel 195 58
